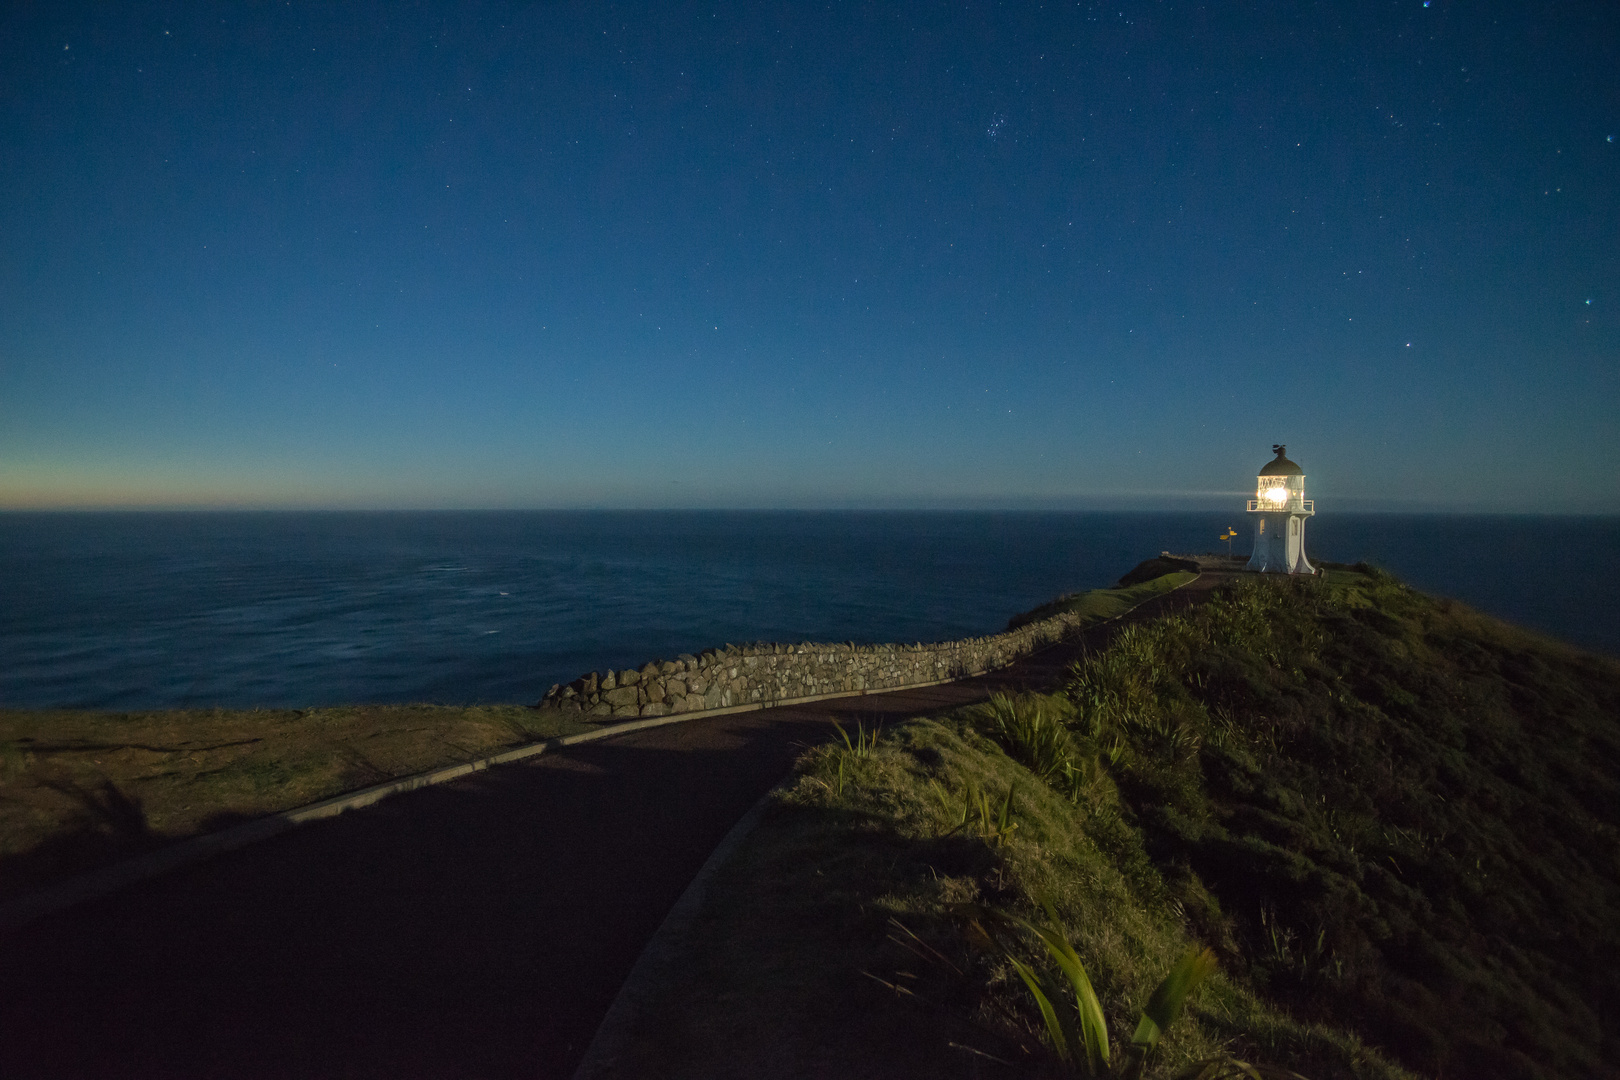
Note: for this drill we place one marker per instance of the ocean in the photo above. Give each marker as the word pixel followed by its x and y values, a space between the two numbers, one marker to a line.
pixel 199 609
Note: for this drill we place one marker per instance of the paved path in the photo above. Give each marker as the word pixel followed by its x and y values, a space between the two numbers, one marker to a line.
pixel 476 929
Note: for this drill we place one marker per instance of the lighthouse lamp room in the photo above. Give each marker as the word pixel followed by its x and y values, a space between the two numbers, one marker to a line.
pixel 1279 510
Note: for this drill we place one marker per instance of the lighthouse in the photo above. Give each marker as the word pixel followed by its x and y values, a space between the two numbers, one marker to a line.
pixel 1279 510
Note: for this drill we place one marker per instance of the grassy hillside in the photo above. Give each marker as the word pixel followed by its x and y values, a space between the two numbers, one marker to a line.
pixel 1391 818
pixel 1387 810
pixel 1100 604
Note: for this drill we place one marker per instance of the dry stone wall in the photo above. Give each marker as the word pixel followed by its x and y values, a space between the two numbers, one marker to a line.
pixel 763 675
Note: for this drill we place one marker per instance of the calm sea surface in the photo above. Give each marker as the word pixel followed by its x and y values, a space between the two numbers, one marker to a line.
pixel 138 610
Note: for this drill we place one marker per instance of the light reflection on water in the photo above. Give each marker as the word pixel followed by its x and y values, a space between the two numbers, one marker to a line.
pixel 129 610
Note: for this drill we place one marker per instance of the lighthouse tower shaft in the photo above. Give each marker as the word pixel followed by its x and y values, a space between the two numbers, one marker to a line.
pixel 1280 510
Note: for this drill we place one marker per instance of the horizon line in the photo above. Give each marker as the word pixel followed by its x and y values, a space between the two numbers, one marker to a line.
pixel 1133 506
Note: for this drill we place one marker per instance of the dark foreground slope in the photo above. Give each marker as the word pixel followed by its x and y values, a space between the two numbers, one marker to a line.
pixel 1392 818
pixel 1404 814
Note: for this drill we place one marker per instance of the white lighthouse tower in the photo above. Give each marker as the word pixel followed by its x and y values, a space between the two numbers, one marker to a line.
pixel 1279 511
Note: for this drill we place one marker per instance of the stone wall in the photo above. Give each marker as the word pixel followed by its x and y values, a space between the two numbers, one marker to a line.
pixel 763 675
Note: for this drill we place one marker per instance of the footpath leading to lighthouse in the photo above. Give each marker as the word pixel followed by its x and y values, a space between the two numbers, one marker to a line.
pixel 480 928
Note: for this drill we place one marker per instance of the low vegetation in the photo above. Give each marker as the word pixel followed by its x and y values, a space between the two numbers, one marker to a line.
pixel 1100 604
pixel 1385 823
pixel 78 788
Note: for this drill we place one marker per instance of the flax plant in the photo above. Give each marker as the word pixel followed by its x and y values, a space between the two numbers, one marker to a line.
pixel 978 815
pixel 1033 733
pixel 864 742
pixel 1078 1033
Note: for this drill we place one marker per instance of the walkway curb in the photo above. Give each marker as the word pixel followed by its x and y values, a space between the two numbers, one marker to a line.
pixel 618 1025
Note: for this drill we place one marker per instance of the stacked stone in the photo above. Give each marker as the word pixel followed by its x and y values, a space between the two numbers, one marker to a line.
pixel 768 674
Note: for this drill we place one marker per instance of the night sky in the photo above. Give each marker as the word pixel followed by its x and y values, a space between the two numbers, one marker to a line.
pixel 809 255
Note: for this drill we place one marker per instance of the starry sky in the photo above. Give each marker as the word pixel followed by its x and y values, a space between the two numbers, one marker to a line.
pixel 810 255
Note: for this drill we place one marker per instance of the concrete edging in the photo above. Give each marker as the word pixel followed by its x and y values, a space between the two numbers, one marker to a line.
pixel 618 1024
pixel 137 868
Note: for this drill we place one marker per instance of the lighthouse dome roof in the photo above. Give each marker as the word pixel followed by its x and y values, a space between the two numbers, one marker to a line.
pixel 1281 466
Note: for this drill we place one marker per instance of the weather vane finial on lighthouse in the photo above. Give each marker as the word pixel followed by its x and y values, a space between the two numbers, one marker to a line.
pixel 1279 449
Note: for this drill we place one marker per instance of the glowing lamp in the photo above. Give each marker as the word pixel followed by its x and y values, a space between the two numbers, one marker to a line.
pixel 1279 509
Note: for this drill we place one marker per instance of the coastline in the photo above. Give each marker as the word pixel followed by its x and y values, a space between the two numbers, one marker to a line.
pixel 153 854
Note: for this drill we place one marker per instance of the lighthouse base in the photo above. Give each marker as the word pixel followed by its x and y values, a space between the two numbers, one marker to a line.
pixel 1279 545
